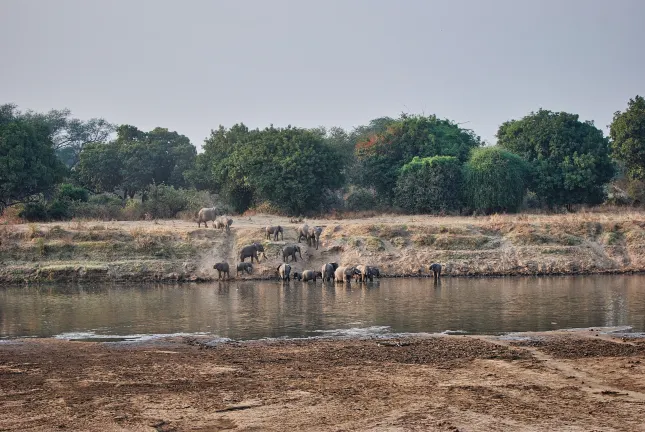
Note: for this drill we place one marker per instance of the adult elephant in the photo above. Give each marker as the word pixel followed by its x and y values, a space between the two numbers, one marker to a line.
pixel 290 251
pixel 314 236
pixel 252 252
pixel 363 272
pixel 435 268
pixel 206 214
pixel 345 273
pixel 274 231
pixel 309 275
pixel 303 232
pixel 328 271
pixel 244 267
pixel 284 272
pixel 224 222
pixel 373 272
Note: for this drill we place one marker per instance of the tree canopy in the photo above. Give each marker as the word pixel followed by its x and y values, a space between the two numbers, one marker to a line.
pixel 384 153
pixel 627 132
pixel 570 159
pixel 28 163
pixel 495 180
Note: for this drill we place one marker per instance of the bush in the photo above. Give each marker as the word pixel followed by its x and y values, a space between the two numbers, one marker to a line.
pixel 164 201
pixel 494 180
pixel 34 211
pixel 429 185
pixel 73 193
pixel 59 209
pixel 360 199
pixel 102 206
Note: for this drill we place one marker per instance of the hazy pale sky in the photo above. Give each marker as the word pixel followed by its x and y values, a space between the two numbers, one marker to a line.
pixel 193 65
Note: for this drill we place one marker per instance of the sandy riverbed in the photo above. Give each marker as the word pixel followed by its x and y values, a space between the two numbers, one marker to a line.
pixel 582 381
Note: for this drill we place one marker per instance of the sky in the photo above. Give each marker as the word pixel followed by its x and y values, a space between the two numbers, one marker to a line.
pixel 193 65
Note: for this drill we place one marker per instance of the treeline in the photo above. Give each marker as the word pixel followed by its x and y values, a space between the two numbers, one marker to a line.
pixel 53 166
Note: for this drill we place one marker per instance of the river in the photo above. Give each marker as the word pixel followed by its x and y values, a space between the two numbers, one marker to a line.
pixel 242 310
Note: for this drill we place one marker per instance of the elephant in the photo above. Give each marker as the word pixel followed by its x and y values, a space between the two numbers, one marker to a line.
pixel 290 251
pixel 206 214
pixel 274 230
pixel 252 251
pixel 435 268
pixel 284 272
pixel 224 222
pixel 303 232
pixel 328 271
pixel 373 272
pixel 244 267
pixel 344 273
pixel 314 236
pixel 363 272
pixel 308 275
pixel 297 276
pixel 222 267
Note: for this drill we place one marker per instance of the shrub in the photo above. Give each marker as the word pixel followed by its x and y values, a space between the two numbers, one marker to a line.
pixel 429 185
pixel 164 201
pixel 360 199
pixel 34 211
pixel 73 193
pixel 102 206
pixel 494 180
pixel 59 209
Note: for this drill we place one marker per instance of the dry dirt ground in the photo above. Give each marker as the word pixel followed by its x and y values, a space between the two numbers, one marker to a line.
pixel 561 381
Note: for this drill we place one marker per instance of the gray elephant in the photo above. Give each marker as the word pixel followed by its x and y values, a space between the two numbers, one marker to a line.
pixel 222 268
pixel 224 222
pixel 252 251
pixel 274 231
pixel 328 271
pixel 244 267
pixel 290 251
pixel 373 272
pixel 303 232
pixel 435 268
pixel 363 272
pixel 206 214
pixel 297 276
pixel 308 275
pixel 314 236
pixel 345 273
pixel 284 272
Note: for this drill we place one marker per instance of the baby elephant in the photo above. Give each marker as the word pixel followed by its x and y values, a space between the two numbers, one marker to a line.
pixel 435 268
pixel 244 267
pixel 222 268
pixel 297 276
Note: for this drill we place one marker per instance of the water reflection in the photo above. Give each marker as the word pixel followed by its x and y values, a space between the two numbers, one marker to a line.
pixel 243 310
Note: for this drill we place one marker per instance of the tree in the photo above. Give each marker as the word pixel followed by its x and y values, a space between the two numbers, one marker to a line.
pixel 627 132
pixel 429 185
pixel 100 167
pixel 495 180
pixel 569 158
pixel 69 135
pixel 28 164
pixel 383 154
pixel 291 168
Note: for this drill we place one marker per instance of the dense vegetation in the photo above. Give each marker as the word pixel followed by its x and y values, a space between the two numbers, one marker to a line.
pixel 53 166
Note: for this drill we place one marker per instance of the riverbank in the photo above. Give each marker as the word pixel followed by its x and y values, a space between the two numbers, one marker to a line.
pixel 175 250
pixel 576 381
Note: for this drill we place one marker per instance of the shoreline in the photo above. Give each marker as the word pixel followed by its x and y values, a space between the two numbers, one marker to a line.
pixel 172 251
pixel 577 380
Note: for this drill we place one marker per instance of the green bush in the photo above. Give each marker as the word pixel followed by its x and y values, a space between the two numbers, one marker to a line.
pixel 59 209
pixel 494 180
pixel 34 212
pixel 429 185
pixel 360 199
pixel 101 206
pixel 164 201
pixel 73 193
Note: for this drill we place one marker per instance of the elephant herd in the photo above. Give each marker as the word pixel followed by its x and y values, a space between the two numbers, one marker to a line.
pixel 329 271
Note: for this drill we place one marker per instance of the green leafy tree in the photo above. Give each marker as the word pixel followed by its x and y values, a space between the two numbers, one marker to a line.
pixel 429 185
pixel 100 167
pixel 383 154
pixel 28 163
pixel 495 180
pixel 627 132
pixel 570 159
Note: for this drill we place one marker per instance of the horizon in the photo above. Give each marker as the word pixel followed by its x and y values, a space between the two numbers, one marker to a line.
pixel 160 64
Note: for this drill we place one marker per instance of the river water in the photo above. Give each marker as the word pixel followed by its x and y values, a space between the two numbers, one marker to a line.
pixel 254 310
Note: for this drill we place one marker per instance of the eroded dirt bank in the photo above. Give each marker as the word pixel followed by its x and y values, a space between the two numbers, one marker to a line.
pixel 400 246
pixel 549 382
